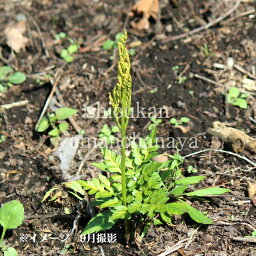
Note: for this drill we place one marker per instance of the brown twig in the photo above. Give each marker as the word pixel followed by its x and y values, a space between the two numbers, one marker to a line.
pixel 222 151
pixel 48 101
pixel 242 70
pixel 204 27
pixel 14 104
pixel 206 79
pixel 245 239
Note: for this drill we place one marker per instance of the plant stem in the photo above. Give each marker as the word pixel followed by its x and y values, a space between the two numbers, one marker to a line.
pixel 124 121
pixel 3 234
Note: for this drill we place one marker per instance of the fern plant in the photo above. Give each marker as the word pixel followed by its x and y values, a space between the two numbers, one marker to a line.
pixel 139 188
pixel 138 185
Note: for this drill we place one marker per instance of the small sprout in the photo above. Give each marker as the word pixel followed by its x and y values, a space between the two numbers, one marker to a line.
pixel 59 36
pixel 8 78
pixel 106 134
pixel 2 138
pixel 176 122
pixel 236 98
pixel 67 53
pixel 175 67
pixel 207 52
pixel 132 52
pixel 154 90
pixel 182 79
pixel 11 217
pixel 191 169
pixel 53 121
pixel 108 44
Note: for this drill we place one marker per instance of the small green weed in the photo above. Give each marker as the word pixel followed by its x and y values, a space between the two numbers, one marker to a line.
pixel 112 44
pixel 182 79
pixel 106 134
pixel 207 52
pixel 154 123
pixel 236 98
pixel 67 53
pixel 56 122
pixel 9 77
pixel 253 234
pixel 176 122
pixel 2 138
pixel 11 217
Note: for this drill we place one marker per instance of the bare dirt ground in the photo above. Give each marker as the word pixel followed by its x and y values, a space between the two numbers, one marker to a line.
pixel 190 76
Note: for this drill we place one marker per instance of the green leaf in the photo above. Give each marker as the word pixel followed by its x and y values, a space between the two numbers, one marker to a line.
pixel 101 166
pixel 197 215
pixel 73 48
pixel 106 182
pixel 102 221
pixel 17 78
pixel 11 214
pixel 112 161
pixel 242 103
pixel 138 158
pixel 54 132
pixel 118 36
pixel 3 88
pixel 208 191
pixel 132 52
pixel 234 92
pixel 174 121
pixel 68 58
pixel 166 217
pixel 110 203
pixel 54 140
pixel 10 252
pixel 75 185
pixel 119 212
pixel 184 120
pixel 64 113
pixel 108 44
pixel 5 71
pixel 43 125
pixel 135 207
pixel 178 190
pixel 189 180
pixel 115 129
pixel 157 222
pixel 63 126
pixel 48 193
pixel 64 53
pixel 173 209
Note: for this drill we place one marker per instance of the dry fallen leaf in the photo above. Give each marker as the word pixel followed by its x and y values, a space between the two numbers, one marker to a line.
pixel 146 8
pixel 161 158
pixel 14 36
pixel 252 191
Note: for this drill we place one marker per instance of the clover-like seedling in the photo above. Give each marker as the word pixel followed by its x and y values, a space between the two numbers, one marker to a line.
pixel 106 134
pixel 176 122
pixel 236 98
pixel 154 123
pixel 56 122
pixel 112 44
pixel 11 217
pixel 2 138
pixel 67 53
pixel 9 77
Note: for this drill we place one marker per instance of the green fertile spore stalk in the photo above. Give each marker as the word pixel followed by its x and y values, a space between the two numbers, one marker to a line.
pixel 120 100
